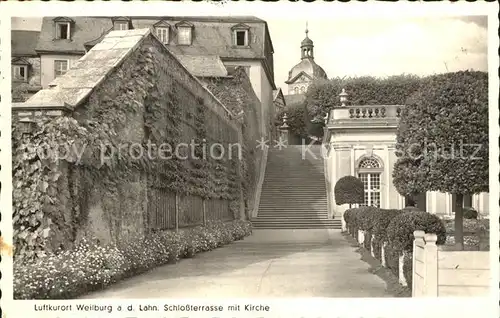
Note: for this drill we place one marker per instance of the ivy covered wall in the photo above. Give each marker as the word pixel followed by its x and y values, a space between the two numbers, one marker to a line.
pixel 149 102
pixel 236 92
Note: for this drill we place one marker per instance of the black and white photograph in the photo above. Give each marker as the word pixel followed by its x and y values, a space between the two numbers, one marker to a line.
pixel 161 156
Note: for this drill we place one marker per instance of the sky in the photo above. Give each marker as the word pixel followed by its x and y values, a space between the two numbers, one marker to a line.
pixel 371 46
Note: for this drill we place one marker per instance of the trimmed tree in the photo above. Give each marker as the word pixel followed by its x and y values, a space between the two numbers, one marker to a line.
pixel 296 120
pixel 442 141
pixel 349 190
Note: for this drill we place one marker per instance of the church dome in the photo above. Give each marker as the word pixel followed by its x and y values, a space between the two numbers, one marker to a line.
pixel 306 42
pixel 309 67
pixel 307 64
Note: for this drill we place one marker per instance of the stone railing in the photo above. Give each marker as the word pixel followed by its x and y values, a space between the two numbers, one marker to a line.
pixel 366 112
pixel 438 273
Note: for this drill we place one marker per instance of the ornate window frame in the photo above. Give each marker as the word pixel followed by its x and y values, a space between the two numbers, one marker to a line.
pixel 371 166
pixel 239 28
pixel 61 23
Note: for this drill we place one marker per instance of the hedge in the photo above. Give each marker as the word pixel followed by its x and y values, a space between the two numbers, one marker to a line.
pixel 395 227
pixel 401 228
pixel 90 266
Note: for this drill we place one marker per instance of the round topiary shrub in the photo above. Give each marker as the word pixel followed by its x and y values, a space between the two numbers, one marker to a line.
pixel 401 228
pixel 349 190
pixel 470 213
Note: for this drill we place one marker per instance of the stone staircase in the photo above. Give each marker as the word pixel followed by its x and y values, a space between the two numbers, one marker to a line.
pixel 294 192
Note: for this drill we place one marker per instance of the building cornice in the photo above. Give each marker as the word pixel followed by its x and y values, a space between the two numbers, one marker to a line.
pixel 61 52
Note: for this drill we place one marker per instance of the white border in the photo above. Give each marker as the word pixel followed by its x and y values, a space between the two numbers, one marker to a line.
pixel 362 307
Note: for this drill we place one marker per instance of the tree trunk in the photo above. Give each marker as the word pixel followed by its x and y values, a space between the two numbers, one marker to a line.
pixel 349 205
pixel 459 222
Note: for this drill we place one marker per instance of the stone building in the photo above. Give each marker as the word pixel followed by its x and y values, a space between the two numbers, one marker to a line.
pixel 361 142
pixel 230 41
pixel 25 63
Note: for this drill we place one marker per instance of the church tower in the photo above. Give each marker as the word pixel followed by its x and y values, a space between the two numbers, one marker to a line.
pixel 302 74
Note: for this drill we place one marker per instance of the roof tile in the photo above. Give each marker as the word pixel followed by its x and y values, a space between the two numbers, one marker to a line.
pixel 24 42
pixel 203 65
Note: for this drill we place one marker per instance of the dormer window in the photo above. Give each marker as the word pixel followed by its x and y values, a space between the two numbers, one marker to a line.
pixel 241 38
pixel 162 34
pixel 63 28
pixel 162 30
pixel 121 26
pixel 121 23
pixel 20 73
pixel 63 31
pixel 184 33
pixel 241 35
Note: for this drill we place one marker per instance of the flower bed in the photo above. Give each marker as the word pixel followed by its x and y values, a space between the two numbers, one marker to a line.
pixel 471 232
pixel 91 267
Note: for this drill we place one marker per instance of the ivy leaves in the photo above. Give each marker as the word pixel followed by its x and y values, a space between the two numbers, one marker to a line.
pixel 37 169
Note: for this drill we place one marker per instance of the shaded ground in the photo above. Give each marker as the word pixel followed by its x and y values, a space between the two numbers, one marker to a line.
pixel 270 263
pixel 392 282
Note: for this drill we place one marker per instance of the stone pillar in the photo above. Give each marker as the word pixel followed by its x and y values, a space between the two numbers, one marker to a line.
pixel 430 266
pixel 402 278
pixel 418 241
pixel 284 134
pixel 382 254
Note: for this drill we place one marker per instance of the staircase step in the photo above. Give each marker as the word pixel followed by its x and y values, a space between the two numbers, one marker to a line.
pixel 294 195
pixel 293 218
pixel 310 207
pixel 297 227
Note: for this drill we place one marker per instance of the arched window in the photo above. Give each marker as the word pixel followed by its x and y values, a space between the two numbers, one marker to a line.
pixel 303 89
pixel 296 90
pixel 369 172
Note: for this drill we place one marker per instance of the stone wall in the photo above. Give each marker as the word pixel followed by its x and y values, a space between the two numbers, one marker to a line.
pixel 129 214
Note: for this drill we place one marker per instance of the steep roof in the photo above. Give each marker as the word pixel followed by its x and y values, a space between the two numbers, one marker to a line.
pixel 278 93
pixel 85 29
pixel 203 65
pixel 210 37
pixel 24 42
pixel 213 36
pixel 90 71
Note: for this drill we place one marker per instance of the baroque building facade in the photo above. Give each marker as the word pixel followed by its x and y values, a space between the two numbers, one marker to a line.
pixel 361 141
